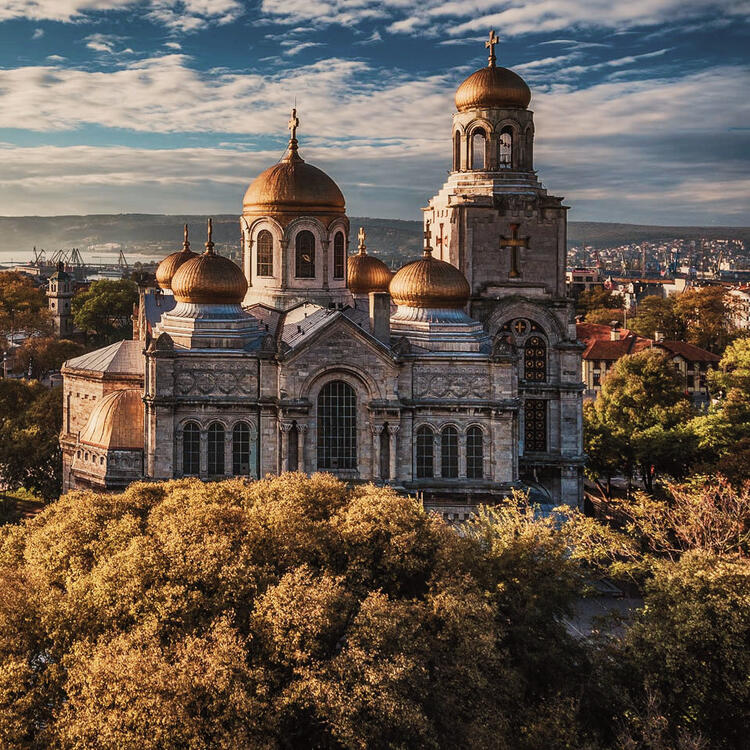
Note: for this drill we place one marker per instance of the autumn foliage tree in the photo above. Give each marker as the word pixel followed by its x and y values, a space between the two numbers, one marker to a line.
pixel 23 305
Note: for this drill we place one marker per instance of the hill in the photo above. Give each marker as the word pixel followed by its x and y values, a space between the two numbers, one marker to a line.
pixel 392 239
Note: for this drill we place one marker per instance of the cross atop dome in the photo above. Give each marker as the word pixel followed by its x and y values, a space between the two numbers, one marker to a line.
pixel 361 237
pixel 293 124
pixel 490 44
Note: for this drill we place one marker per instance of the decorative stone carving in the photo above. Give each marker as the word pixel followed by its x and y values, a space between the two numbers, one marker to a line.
pixel 468 383
pixel 214 382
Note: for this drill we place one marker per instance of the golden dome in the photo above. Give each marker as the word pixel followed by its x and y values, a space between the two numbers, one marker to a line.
pixel 429 282
pixel 209 279
pixel 293 186
pixel 493 87
pixel 116 422
pixel 168 267
pixel 365 273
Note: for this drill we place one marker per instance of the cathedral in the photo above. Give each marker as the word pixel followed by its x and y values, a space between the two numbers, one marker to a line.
pixel 455 379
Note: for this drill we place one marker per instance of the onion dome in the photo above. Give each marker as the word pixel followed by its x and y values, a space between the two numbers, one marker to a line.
pixel 116 422
pixel 209 278
pixel 293 186
pixel 365 273
pixel 429 282
pixel 493 87
pixel 168 267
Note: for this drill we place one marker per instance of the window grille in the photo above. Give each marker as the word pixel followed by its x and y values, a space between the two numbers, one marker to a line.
pixel 535 360
pixel 337 427
pixel 265 253
pixel 339 256
pixel 535 428
pixel 449 453
pixel 293 448
pixel 215 449
pixel 474 453
pixel 425 453
pixel 241 449
pixel 305 255
pixel 191 449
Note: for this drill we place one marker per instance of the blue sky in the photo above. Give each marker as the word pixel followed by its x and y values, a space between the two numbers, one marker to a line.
pixel 173 106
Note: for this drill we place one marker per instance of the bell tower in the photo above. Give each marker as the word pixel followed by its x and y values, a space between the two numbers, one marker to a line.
pixel 494 220
pixel 59 295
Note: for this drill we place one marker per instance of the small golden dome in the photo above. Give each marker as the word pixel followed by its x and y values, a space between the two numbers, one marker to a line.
pixel 209 279
pixel 168 267
pixel 493 87
pixel 429 282
pixel 365 273
pixel 293 186
pixel 116 422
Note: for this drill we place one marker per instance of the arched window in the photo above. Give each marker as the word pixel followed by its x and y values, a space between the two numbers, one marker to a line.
pixel 385 453
pixel 477 149
pixel 265 253
pixel 425 453
pixel 339 256
pixel 241 449
pixel 535 359
pixel 457 151
pixel 449 453
pixel 535 427
pixel 304 258
pixel 215 449
pixel 474 453
pixel 292 447
pixel 337 427
pixel 191 449
pixel 506 147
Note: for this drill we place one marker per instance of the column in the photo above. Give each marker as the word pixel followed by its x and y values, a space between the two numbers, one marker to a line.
pixel 228 440
pixel 377 430
pixel 204 454
pixel 284 263
pixel 393 430
pixel 324 245
pixel 285 427
pixel 301 439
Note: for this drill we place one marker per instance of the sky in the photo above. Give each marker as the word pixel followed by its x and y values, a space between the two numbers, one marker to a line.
pixel 642 108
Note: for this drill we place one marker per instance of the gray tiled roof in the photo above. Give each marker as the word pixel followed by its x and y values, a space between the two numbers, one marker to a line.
pixel 122 358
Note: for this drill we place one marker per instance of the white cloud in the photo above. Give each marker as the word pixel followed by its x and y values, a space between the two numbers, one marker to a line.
pixel 180 15
pixel 38 34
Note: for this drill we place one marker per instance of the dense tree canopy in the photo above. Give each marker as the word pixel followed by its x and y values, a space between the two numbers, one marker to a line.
pixel 23 305
pixel 706 313
pixel 658 314
pixel 299 613
pixel 30 423
pixel 38 356
pixel 105 309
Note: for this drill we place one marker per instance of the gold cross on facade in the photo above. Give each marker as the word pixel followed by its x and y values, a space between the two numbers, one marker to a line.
pixel 490 44
pixel 514 242
pixel 362 236
pixel 293 124
pixel 439 240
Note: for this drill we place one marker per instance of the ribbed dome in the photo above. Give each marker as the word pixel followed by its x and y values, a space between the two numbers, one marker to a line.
pixel 493 87
pixel 209 279
pixel 365 273
pixel 116 422
pixel 429 282
pixel 292 185
pixel 168 267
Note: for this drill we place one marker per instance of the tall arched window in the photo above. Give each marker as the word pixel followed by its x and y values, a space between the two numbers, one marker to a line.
pixel 241 449
pixel 304 258
pixel 474 453
pixel 449 453
pixel 215 449
pixel 425 453
pixel 535 425
pixel 191 449
pixel 506 147
pixel 337 427
pixel 477 149
pixel 265 253
pixel 457 151
pixel 293 447
pixel 385 453
pixel 339 256
pixel 535 359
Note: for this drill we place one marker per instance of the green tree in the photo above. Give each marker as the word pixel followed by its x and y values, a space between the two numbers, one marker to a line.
pixel 105 309
pixel 658 314
pixel 597 298
pixel 23 305
pixel 604 449
pixel 643 411
pixel 706 313
pixel 30 424
pixel 605 316
pixel 39 355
